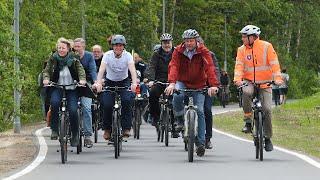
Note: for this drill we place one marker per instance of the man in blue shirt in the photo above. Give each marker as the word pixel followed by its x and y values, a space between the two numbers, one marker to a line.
pixel 89 65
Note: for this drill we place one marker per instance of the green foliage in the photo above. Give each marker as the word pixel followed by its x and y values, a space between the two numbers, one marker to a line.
pixel 291 26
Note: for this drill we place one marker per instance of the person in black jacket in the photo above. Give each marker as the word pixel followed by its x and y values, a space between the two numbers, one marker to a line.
pixel 158 71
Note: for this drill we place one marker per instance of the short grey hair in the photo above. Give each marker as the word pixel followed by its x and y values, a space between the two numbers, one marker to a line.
pixel 96 46
pixel 81 40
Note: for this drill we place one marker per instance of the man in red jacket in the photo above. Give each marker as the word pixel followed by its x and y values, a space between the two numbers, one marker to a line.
pixel 190 68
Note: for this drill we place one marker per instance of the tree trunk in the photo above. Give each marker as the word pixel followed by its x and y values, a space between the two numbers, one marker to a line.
pixel 173 14
pixel 298 35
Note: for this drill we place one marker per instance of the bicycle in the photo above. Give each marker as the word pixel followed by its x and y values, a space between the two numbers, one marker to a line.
pixel 138 109
pixel 223 96
pixel 64 123
pixel 116 134
pixel 166 118
pixel 191 121
pixel 258 120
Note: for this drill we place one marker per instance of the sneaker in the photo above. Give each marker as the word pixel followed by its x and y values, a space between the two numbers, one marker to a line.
pixel 54 135
pixel 268 145
pixel 126 133
pixel 88 142
pixel 179 123
pixel 247 128
pixel 208 144
pixel 74 140
pixel 200 150
pixel 107 134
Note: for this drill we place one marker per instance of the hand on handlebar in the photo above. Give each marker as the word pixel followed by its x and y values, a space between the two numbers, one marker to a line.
pixel 212 91
pixel 170 89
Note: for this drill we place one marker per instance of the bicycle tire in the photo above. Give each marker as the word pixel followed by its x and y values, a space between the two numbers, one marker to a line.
pixel 255 137
pixel 63 137
pixel 166 128
pixel 116 134
pixel 96 125
pixel 261 143
pixel 191 117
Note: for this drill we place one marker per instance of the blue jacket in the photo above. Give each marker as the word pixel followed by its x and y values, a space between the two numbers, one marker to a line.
pixel 89 66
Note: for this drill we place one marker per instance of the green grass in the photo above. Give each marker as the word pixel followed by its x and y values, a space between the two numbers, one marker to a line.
pixel 296 125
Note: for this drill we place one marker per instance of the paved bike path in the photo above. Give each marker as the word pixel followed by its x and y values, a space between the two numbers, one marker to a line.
pixel 148 159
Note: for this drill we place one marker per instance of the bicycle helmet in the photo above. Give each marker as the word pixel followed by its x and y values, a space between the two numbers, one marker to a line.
pixel 190 34
pixel 166 37
pixel 250 30
pixel 118 39
pixel 156 47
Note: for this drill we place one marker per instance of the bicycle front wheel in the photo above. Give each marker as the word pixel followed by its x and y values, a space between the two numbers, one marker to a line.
pixel 191 118
pixel 63 137
pixel 260 135
pixel 116 134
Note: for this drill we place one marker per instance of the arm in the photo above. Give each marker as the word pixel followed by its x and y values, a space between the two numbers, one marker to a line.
pixel 133 73
pixel 81 72
pixel 239 67
pixel 216 65
pixel 174 68
pixel 272 59
pixel 151 70
pixel 92 68
pixel 210 70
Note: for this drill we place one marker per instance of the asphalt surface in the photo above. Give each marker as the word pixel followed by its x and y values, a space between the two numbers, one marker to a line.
pixel 148 159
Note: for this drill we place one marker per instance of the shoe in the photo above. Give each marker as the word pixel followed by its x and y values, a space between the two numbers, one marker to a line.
pixel 74 140
pixel 247 128
pixel 54 135
pixel 208 144
pixel 88 142
pixel 107 134
pixel 126 133
pixel 200 150
pixel 268 145
pixel 179 123
pixel 175 134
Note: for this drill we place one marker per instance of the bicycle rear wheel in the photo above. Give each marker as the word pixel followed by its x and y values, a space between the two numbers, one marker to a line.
pixel 95 119
pixel 137 122
pixel 255 135
pixel 191 117
pixel 63 137
pixel 260 135
pixel 80 134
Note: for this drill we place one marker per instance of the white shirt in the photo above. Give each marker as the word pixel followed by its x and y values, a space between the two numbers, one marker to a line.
pixel 117 68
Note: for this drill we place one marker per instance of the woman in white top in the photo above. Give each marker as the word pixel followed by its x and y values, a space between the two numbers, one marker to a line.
pixel 115 64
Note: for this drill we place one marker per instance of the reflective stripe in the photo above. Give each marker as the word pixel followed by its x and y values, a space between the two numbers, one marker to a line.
pixel 238 73
pixel 276 74
pixel 260 68
pixel 239 62
pixel 263 81
pixel 274 62
pixel 265 51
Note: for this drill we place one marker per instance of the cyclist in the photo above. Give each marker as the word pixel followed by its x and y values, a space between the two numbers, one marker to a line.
pixel 257 62
pixel 89 65
pixel 116 63
pixel 158 71
pixel 191 67
pixel 97 54
pixel 63 68
pixel 208 102
pixel 284 86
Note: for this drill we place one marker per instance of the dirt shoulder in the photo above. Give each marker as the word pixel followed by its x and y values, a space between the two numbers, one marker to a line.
pixel 18 150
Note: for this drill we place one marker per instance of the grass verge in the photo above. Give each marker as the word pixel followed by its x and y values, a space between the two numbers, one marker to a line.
pixel 296 125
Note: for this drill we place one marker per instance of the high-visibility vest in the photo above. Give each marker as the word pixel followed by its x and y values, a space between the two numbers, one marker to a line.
pixel 261 60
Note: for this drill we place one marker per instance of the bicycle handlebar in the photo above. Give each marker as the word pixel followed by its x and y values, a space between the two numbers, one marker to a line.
pixel 54 84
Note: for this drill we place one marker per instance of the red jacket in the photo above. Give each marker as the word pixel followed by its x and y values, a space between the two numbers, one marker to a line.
pixel 193 73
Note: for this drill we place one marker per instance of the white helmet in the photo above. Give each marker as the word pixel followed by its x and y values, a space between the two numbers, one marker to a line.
pixel 250 30
pixel 190 34
pixel 166 37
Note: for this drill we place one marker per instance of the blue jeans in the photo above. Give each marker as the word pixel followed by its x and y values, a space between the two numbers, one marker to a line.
pixel 72 107
pixel 108 99
pixel 198 100
pixel 87 115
